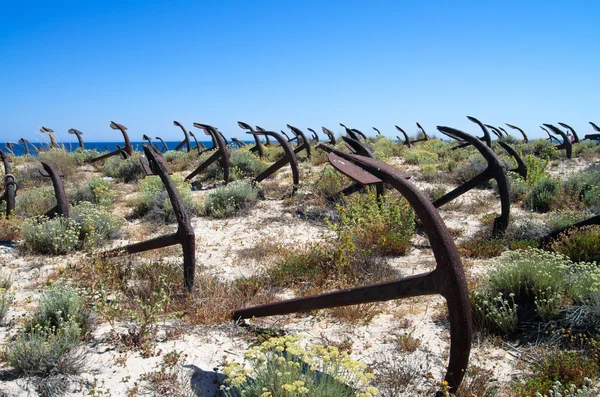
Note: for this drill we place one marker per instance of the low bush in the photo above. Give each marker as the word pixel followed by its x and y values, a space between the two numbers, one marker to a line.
pixel 329 182
pixel 10 229
pixel 96 191
pixel 429 172
pixel 35 201
pixel 384 148
pixel 481 247
pixel 67 162
pixel 526 229
pixel 579 244
pixel 282 367
pixel 569 369
pixel 153 201
pixel 436 192
pixel 419 157
pixel 227 200
pixel 6 299
pixel 181 160
pixel 384 224
pixel 567 217
pixel 127 171
pixel 542 195
pixel 57 236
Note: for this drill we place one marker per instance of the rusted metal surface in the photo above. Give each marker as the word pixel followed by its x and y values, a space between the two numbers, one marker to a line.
pixel 78 134
pixel 521 167
pixel 221 154
pixel 124 152
pixel 350 132
pixel 495 169
pixel 10 186
pixel 425 136
pixel 504 132
pixel 495 130
pixel 185 232
pixel 329 134
pixel 289 157
pixel 51 135
pixel 165 148
pixel 149 140
pixel 186 138
pixel 566 143
pixel 514 127
pixel 9 146
pixel 593 137
pixel 303 143
pixel 257 148
pixel 287 136
pixel 573 132
pixel 238 142
pixel 25 143
pixel 267 139
pixel 200 147
pixel 56 175
pixel 406 141
pixel 315 137
pixel 447 279
pixel 378 132
pixel 360 133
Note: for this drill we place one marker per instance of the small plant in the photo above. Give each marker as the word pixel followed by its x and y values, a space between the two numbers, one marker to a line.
pixel 97 191
pixel 96 224
pixel 6 299
pixel 419 157
pixel 481 247
pixel 168 379
pixel 579 244
pixel 429 172
pixel 407 342
pixel 568 368
pixel 35 201
pixel 57 236
pixel 10 229
pixel 229 199
pixel 282 367
pixel 63 160
pixel 129 170
pixel 154 204
pixel 542 195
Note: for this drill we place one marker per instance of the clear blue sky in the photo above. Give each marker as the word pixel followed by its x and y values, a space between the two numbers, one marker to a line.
pixel 80 64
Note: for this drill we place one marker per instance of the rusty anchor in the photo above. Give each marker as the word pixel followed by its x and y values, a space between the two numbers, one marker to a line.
pixel 551 138
pixel 289 157
pixel 425 136
pixel 125 152
pixel 221 154
pixel 329 134
pixel 147 138
pixel 25 143
pixel 514 127
pixel 315 137
pixel 593 137
pixel 257 148
pixel 352 132
pixel 495 130
pixel 267 140
pixel 566 143
pixel 186 139
pixel 10 186
pixel 495 170
pixel 521 167
pixel 303 143
pixel 238 143
pixel 199 145
pixel 184 235
pixel 78 134
pixel 165 148
pixel 56 175
pixel 378 132
pixel 287 136
pixel 447 279
pixel 406 141
pixel 485 138
pixel 9 146
pixel 51 135
pixel 573 132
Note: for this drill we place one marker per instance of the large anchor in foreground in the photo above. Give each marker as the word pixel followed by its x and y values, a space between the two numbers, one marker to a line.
pixel 124 152
pixel 155 164
pixel 221 154
pixel 56 176
pixel 10 186
pixel 447 279
pixel 495 169
pixel 289 157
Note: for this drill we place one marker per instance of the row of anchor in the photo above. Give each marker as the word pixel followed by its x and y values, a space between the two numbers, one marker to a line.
pixel 447 279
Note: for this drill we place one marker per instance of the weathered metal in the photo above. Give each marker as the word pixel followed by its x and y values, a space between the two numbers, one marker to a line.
pixel 485 138
pixel 238 143
pixel 185 232
pixel 378 132
pixel 504 131
pixel 51 135
pixel 315 137
pixel 329 134
pixel 165 148
pixel 521 167
pixel 149 140
pixel 186 139
pixel 593 137
pixel 495 130
pixel 288 137
pixel 10 186
pixel 125 152
pixel 25 143
pixel 199 145
pixel 406 141
pixel 573 132
pixel 303 143
pixel 221 153
pixel 566 143
pixel 257 148
pixel 359 132
pixel 78 134
pixel 289 157
pixel 9 146
pixel 350 132
pixel 495 169
pixel 514 127
pixel 551 138
pixel 56 175
pixel 267 139
pixel 447 279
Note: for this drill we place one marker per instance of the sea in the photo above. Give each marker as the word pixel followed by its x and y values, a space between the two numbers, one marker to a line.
pixel 19 149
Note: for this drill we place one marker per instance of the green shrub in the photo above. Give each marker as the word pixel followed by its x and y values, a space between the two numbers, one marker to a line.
pixel 227 200
pixel 517 188
pixel 567 368
pixel 429 172
pixel 419 156
pixel 35 201
pixel 329 182
pixel 6 299
pixel 60 304
pixel 96 224
pixel 436 192
pixel 246 163
pixel 384 224
pixel 567 217
pixel 129 170
pixel 63 160
pixel 282 367
pixel 384 148
pixel 181 160
pixel 536 169
pixel 97 191
pixel 579 244
pixel 153 201
pixel 57 236
pixel 558 390
pixel 542 195
pixel 481 248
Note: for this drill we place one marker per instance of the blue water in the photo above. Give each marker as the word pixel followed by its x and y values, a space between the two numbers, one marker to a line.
pixel 72 146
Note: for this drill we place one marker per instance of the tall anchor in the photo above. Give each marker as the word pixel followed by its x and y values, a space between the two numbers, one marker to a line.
pixel 575 136
pixel 447 279
pixel 329 134
pixel 78 134
pixel 315 137
pixel 9 146
pixel 25 143
pixel 514 127
pixel 165 148
pixel 125 152
pixel 50 133
pixel 156 165
pixel 406 141
pixel 521 166
pixel 495 130
pixel 566 143
pixel 10 186
pixel 257 148
pixel 495 169
pixel 289 157
pixel 303 143
pixel 186 139
pixel 593 137
pixel 56 175
pixel 199 145
pixel 485 138
pixel 221 154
